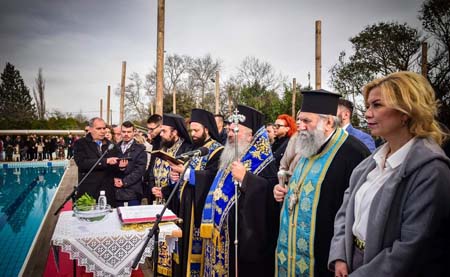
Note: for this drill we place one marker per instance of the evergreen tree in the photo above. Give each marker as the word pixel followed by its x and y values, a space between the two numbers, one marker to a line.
pixel 16 107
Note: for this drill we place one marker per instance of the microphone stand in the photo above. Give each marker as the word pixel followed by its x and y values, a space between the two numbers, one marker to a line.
pixel 75 188
pixel 74 192
pixel 236 118
pixel 155 229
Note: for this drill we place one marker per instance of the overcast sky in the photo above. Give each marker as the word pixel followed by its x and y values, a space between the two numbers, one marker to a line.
pixel 80 44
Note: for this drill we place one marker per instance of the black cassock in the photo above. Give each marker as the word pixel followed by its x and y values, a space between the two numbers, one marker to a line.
pixel 191 203
pixel 257 225
pixel 166 190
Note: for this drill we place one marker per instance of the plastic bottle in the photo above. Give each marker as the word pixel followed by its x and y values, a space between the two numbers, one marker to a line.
pixel 102 200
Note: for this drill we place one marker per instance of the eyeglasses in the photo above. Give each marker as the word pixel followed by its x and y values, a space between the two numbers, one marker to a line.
pixel 152 129
pixel 278 125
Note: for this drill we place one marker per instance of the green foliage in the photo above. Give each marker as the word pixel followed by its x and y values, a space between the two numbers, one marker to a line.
pixel 265 101
pixel 435 16
pixel 286 101
pixel 380 49
pixel 85 202
pixel 386 47
pixel 185 103
pixel 16 107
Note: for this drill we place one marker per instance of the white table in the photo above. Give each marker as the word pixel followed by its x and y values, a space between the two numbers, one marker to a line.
pixel 102 247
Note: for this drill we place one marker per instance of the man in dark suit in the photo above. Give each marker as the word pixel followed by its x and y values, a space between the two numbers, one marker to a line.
pixel 87 151
pixel 345 111
pixel 128 181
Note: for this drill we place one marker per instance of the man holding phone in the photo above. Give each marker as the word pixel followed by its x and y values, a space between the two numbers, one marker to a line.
pixel 132 163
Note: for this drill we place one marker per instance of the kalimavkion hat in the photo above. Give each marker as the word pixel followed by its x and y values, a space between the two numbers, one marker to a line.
pixel 320 101
pixel 207 120
pixel 253 118
pixel 177 122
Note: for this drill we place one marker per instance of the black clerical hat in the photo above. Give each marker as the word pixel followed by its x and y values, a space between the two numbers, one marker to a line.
pixel 177 122
pixel 253 118
pixel 207 120
pixel 320 101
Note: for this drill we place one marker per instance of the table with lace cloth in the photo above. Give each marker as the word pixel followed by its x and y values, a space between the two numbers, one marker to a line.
pixel 103 247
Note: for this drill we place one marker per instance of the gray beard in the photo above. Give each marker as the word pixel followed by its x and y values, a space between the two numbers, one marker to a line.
pixel 229 153
pixel 309 142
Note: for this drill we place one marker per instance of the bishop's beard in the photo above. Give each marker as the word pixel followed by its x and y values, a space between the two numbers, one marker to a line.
pixel 229 152
pixel 309 142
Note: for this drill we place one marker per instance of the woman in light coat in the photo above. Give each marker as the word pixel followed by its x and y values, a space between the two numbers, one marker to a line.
pixel 395 218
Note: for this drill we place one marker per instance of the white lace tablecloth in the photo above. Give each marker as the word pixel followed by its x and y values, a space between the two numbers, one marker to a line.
pixel 102 247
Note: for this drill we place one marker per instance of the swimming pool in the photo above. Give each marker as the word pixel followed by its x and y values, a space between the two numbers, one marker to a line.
pixel 26 192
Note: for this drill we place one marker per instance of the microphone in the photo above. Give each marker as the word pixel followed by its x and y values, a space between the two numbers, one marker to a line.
pixel 110 147
pixel 75 189
pixel 202 151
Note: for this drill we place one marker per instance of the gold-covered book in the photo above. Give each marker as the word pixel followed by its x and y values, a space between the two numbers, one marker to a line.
pixel 166 156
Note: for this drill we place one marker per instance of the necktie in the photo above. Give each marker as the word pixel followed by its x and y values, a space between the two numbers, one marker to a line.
pixel 99 146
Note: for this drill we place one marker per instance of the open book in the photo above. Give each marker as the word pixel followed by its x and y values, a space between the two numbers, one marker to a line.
pixel 143 213
pixel 166 156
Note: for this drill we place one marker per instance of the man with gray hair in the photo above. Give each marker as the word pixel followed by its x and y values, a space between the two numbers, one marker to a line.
pixel 316 188
pixel 86 152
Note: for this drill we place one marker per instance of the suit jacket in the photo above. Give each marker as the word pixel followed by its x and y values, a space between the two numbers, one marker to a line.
pixel 363 137
pixel 133 175
pixel 86 153
pixel 408 233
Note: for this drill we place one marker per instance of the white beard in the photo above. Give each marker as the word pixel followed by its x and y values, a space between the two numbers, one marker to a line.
pixel 229 153
pixel 309 142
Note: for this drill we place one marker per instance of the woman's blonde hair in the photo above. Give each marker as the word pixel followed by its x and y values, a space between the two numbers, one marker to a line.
pixel 411 94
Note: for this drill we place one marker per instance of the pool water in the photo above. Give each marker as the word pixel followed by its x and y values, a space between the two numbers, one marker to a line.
pixel 25 196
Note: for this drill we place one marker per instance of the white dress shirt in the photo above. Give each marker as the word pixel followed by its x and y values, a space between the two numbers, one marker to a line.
pixel 125 145
pixel 374 181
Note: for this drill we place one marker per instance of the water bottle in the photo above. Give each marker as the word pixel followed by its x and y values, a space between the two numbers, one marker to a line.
pixel 102 200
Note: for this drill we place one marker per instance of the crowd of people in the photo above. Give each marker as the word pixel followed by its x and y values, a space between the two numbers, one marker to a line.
pixel 313 195
pixel 36 148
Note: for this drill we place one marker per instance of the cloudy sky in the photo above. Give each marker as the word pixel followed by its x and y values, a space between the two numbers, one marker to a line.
pixel 80 44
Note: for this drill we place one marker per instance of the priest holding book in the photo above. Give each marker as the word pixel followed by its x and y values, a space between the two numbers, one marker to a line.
pixel 175 140
pixel 198 177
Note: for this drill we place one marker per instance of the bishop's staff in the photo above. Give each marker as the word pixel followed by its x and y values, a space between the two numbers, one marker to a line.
pixel 235 118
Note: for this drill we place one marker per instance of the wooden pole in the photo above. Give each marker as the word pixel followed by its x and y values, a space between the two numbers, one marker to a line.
pixel 174 93
pixel 108 106
pixel 160 58
pixel 318 54
pixel 294 92
pixel 217 93
pixel 152 110
pixel 101 107
pixel 424 59
pixel 122 92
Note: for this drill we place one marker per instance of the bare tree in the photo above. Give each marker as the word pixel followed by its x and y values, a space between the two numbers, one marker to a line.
pixel 175 68
pixel 201 72
pixel 253 71
pixel 39 95
pixel 150 88
pixel 136 99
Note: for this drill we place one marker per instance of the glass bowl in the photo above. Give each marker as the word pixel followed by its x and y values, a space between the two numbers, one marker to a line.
pixel 91 213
